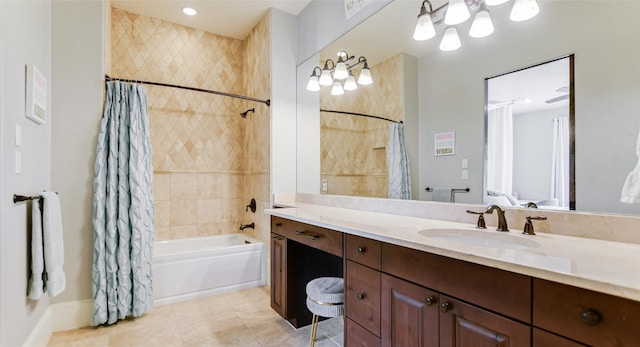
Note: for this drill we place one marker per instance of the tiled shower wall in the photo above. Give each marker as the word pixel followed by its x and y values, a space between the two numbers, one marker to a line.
pixel 205 170
pixel 353 149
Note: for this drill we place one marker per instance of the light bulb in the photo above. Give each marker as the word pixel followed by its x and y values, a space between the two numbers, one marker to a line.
pixel 313 84
pixel 350 83
pixel 457 12
pixel 337 89
pixel 189 11
pixel 424 28
pixel 365 76
pixel 482 25
pixel 523 10
pixel 341 72
pixel 494 2
pixel 450 40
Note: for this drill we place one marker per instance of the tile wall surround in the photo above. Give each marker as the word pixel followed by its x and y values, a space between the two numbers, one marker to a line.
pixel 353 149
pixel 208 161
pixel 621 228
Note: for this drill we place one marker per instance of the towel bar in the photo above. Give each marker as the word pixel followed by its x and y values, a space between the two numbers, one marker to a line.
pixel 20 198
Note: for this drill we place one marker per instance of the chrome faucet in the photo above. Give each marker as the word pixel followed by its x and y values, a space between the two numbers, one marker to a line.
pixel 244 226
pixel 502 222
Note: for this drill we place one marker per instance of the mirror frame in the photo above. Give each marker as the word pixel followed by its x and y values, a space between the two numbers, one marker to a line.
pixel 572 144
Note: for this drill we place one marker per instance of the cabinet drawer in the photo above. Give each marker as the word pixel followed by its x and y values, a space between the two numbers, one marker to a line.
pixel 357 336
pixel 364 251
pixel 362 301
pixel 586 316
pixel 323 239
pixel 542 338
pixel 494 289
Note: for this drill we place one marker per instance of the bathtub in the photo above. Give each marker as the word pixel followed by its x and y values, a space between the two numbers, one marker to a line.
pixel 196 267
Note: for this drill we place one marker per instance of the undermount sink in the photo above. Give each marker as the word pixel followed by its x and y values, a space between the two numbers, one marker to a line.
pixel 480 238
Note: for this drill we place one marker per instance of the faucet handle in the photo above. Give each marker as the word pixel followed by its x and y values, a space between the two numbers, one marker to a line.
pixel 528 226
pixel 481 224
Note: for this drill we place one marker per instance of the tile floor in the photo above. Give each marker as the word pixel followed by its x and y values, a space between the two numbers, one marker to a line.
pixel 243 318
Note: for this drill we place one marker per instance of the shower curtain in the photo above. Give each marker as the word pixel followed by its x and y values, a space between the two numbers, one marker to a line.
pixel 122 208
pixel 500 150
pixel 398 164
pixel 560 161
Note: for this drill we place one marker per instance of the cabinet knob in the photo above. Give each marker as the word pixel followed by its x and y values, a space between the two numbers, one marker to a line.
pixel 362 249
pixel 278 224
pixel 590 317
pixel 430 300
pixel 360 296
pixel 445 306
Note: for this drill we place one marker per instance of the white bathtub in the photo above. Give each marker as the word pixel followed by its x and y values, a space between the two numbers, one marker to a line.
pixel 196 267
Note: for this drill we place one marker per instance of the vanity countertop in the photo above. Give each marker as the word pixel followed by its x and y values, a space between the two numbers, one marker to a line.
pixel 604 266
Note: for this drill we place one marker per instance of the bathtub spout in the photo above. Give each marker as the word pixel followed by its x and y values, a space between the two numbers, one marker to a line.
pixel 244 226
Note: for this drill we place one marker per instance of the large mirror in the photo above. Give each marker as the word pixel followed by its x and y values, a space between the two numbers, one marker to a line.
pixel 450 93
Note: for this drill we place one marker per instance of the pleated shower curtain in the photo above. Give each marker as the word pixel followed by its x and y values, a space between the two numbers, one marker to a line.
pixel 123 208
pixel 398 164
pixel 560 161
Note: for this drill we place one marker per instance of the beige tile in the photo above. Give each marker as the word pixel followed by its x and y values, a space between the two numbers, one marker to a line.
pixel 162 234
pixel 233 210
pixel 183 213
pixel 183 186
pixel 162 211
pixel 183 232
pixel 89 336
pixel 209 186
pixel 232 187
pixel 161 186
pixel 209 211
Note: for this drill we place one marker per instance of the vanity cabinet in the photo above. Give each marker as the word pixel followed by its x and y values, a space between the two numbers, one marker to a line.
pixel 588 317
pixel 278 273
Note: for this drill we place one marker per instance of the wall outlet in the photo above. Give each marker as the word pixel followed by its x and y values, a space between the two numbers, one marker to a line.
pixel 465 174
pixel 325 186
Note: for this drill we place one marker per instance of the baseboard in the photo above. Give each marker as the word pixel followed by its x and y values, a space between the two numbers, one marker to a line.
pixel 41 333
pixel 72 314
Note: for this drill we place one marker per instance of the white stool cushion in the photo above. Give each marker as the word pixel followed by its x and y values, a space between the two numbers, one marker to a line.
pixel 325 296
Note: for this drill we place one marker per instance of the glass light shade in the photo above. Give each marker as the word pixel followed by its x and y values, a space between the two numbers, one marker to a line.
pixel 337 89
pixel 457 12
pixel 341 72
pixel 482 25
pixel 450 40
pixel 350 83
pixel 523 10
pixel 494 2
pixel 313 84
pixel 189 11
pixel 325 78
pixel 365 77
pixel 424 28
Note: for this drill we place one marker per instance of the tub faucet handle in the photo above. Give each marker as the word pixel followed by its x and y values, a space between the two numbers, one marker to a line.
pixel 251 206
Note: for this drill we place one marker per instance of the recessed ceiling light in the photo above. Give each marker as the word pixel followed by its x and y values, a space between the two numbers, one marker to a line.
pixel 189 11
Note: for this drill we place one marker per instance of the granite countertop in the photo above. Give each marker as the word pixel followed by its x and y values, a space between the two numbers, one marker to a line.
pixel 604 266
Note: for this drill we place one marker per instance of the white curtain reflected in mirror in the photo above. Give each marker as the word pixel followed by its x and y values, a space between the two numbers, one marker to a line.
pixel 529 138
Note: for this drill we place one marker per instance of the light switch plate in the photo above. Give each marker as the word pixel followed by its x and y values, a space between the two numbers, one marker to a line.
pixel 18 135
pixel 465 163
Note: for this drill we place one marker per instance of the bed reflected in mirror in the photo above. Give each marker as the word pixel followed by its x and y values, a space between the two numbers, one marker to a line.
pixel 529 161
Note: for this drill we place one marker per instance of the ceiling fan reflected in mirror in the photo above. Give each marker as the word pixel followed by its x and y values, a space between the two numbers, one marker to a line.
pixel 564 89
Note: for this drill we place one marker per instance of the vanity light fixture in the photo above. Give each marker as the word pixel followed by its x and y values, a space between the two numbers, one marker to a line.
pixel 189 11
pixel 333 73
pixel 458 11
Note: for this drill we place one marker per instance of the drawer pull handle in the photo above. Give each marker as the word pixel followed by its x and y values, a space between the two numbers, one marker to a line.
pixel 430 300
pixel 590 317
pixel 362 249
pixel 278 224
pixel 445 306
pixel 307 234
pixel 278 238
pixel 360 296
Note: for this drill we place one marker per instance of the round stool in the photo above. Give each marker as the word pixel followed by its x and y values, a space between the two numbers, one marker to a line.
pixel 324 298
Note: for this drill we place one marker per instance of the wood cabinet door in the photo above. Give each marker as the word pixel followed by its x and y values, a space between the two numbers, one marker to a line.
pixel 463 325
pixel 278 273
pixel 409 314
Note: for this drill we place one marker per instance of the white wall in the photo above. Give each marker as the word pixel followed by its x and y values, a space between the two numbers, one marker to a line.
pixel 607 87
pixel 283 102
pixel 25 28
pixel 78 82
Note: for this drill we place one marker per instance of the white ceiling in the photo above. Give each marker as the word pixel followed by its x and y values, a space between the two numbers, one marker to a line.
pixel 230 18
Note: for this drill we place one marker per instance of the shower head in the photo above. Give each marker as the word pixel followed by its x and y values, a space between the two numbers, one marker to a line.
pixel 244 114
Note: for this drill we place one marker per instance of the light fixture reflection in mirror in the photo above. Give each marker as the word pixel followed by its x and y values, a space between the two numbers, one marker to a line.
pixel 530 145
pixel 333 73
pixel 458 12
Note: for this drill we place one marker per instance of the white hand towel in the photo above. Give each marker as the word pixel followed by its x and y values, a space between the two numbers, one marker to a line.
pixel 36 284
pixel 53 244
pixel 441 194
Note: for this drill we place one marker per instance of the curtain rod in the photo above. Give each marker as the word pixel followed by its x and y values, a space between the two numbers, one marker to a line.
pixel 362 115
pixel 266 102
